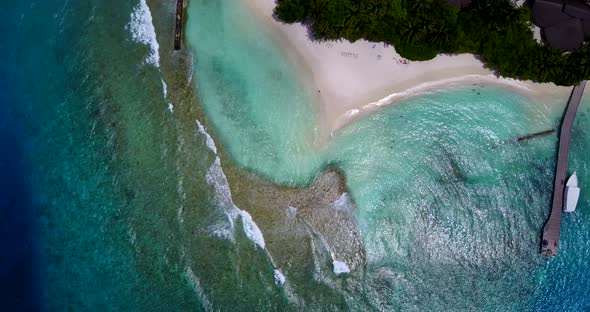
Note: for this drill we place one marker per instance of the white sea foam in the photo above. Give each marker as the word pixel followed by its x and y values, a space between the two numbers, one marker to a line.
pixel 223 199
pixel 208 140
pixel 279 277
pixel 519 84
pixel 198 289
pixel 455 81
pixel 291 212
pixel 216 177
pixel 352 112
pixel 343 203
pixel 190 70
pixel 132 236
pixel 180 185
pixel 340 267
pixel 251 229
pixel 142 30
pixel 429 87
pixel 164 88
pixel 222 231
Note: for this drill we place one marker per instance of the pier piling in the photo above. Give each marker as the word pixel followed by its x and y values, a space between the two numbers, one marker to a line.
pixel 178 29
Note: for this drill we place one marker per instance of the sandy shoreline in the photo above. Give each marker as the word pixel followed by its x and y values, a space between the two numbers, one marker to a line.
pixel 351 79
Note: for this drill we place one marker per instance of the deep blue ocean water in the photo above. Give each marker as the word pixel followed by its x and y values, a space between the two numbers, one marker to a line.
pixel 66 208
pixel 19 242
pixel 108 201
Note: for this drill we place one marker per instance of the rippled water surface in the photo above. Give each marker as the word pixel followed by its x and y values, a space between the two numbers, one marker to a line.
pixel 133 192
pixel 449 205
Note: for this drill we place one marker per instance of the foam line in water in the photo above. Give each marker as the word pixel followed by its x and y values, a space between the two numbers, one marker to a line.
pixel 352 112
pixel 142 30
pixel 197 288
pixel 223 199
pixel 428 87
pixel 208 140
pixel 190 70
pixel 279 277
pixel 132 236
pixel 252 230
pixel 180 185
pixel 343 203
pixel 291 212
pixel 339 266
pixel 164 88
pixel 431 86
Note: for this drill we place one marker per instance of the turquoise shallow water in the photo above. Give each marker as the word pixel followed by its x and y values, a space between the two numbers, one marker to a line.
pixel 237 59
pixel 448 201
pixel 112 202
pixel 449 205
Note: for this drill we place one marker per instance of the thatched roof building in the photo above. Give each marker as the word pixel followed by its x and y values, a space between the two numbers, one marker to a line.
pixel 459 3
pixel 565 23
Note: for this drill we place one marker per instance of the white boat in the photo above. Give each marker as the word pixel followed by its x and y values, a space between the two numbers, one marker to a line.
pixel 572 193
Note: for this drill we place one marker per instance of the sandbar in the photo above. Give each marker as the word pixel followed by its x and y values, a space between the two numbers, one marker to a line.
pixel 352 79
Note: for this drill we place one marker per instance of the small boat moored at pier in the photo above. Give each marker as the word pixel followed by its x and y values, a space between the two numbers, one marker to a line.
pixel 572 194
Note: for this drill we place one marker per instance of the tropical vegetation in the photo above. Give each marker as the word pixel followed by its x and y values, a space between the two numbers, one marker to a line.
pixel 496 30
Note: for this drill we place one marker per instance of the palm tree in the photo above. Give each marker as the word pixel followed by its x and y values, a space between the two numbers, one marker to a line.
pixel 409 30
pixel 317 9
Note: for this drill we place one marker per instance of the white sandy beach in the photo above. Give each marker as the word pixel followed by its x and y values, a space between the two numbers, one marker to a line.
pixel 353 78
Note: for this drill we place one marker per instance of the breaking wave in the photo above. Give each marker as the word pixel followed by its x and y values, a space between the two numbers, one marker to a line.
pixel 252 230
pixel 164 88
pixel 196 286
pixel 279 277
pixel 142 30
pixel 223 199
pixel 339 266
pixel 208 140
pixel 343 203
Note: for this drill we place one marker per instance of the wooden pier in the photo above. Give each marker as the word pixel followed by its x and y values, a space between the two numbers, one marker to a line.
pixel 178 29
pixel 551 231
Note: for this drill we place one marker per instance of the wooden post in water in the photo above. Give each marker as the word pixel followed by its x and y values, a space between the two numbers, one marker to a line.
pixel 178 29
pixel 553 224
pixel 535 135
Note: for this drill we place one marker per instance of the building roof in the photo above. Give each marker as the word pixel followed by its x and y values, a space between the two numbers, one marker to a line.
pixel 566 36
pixel 548 12
pixel 565 23
pixel 586 24
pixel 577 9
pixel 459 3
